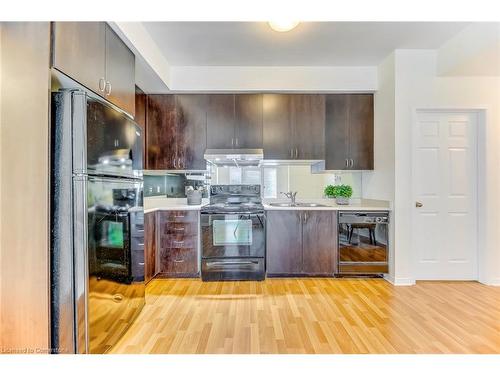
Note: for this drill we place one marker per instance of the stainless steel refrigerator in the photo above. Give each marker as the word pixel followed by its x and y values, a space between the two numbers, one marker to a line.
pixel 97 221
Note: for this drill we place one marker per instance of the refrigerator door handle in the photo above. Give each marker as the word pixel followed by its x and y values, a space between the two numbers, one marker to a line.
pixel 79 127
pixel 80 246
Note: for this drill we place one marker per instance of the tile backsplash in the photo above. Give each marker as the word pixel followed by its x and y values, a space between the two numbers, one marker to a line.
pixel 171 185
pixel 282 178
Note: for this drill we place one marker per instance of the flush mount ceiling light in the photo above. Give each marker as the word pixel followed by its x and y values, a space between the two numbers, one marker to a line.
pixel 283 25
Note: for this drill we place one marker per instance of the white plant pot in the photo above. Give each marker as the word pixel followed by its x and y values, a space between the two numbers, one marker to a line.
pixel 342 200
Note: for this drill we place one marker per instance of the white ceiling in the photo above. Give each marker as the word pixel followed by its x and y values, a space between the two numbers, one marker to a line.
pixel 309 44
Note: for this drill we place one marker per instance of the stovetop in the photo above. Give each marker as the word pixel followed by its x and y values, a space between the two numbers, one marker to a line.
pixel 234 199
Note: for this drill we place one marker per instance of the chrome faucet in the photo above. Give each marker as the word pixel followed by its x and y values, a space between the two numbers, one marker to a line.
pixel 290 195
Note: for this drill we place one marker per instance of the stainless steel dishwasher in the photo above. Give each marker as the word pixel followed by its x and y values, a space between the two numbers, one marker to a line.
pixel 363 243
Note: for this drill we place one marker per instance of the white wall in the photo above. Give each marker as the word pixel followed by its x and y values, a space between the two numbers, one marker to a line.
pixel 473 51
pixel 380 183
pixel 273 78
pixel 417 86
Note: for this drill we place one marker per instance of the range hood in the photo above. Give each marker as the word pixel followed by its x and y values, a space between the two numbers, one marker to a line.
pixel 243 157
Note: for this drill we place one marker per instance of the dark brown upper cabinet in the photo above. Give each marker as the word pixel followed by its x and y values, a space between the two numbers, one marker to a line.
pixel 294 126
pixel 220 121
pixel 248 124
pixel 277 127
pixel 349 132
pixel 176 132
pixel 308 126
pixel 140 119
pixel 161 132
pixel 234 121
pixel 120 73
pixel 301 243
pixel 191 133
pixel 93 55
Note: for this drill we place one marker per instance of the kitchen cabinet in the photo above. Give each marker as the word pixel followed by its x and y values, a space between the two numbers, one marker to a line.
pixel 220 121
pixel 149 246
pixel 294 126
pixel 283 242
pixel 277 127
pixel 308 126
pixel 176 132
pixel 349 132
pixel 248 123
pixel 79 50
pixel 92 54
pixel 178 239
pixel 301 242
pixel 161 132
pixel 319 242
pixel 120 73
pixel 191 132
pixel 140 119
pixel 234 121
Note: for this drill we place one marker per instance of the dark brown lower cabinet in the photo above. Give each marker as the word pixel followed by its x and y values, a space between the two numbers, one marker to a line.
pixel 301 243
pixel 149 246
pixel 284 242
pixel 177 243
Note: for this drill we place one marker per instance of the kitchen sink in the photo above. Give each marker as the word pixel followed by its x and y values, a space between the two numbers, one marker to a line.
pixel 297 205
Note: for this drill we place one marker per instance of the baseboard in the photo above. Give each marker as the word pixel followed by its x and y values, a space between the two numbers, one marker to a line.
pixel 399 281
pixel 495 281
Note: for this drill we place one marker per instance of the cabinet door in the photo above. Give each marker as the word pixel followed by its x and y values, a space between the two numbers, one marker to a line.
pixel 361 131
pixel 120 73
pixel 178 243
pixel 284 242
pixel 140 119
pixel 191 131
pixel 277 127
pixel 220 121
pixel 336 131
pixel 149 246
pixel 248 123
pixel 319 245
pixel 308 126
pixel 161 132
pixel 79 52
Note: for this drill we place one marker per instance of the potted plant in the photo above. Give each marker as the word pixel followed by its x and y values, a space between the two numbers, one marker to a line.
pixel 341 193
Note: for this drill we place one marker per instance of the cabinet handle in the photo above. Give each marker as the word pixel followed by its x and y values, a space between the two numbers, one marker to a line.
pixel 102 84
pixel 352 163
pixel 107 88
pixel 232 142
pixel 296 153
pixel 305 217
pixel 291 153
pixel 178 260
pixel 236 141
pixel 175 163
pixel 347 163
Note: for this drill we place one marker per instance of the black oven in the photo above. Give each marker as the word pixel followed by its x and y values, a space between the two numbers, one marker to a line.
pixel 233 246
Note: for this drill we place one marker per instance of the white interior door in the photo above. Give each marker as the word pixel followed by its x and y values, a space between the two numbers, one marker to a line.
pixel 445 192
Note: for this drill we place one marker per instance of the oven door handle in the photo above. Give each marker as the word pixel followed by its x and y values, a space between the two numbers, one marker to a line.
pixel 233 263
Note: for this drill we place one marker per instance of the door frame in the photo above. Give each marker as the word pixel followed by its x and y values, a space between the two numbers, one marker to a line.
pixel 480 112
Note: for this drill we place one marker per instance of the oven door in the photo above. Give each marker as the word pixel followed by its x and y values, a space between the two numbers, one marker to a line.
pixel 233 235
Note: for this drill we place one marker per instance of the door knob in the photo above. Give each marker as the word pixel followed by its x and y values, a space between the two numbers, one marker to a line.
pixel 418 204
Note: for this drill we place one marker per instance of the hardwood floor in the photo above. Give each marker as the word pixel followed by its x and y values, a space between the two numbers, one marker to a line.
pixel 315 315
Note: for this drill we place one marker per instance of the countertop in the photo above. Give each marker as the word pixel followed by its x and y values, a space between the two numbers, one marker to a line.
pixel 152 204
pixel 354 205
